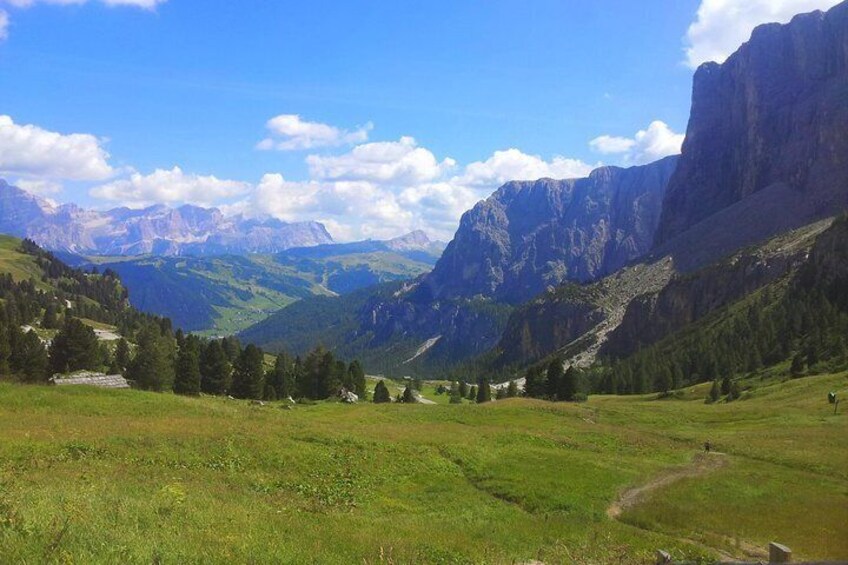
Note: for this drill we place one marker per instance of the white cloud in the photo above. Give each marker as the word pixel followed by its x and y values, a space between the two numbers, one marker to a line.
pixel 648 145
pixel 169 186
pixel 39 186
pixel 31 151
pixel 721 26
pixel 288 132
pixel 4 17
pixel 384 189
pixel 385 162
pixel 146 4
pixel 4 25
pixel 512 164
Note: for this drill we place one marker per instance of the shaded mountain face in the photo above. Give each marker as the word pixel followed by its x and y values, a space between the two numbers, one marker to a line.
pixel 156 230
pixel 531 235
pixel 766 148
pixel 527 236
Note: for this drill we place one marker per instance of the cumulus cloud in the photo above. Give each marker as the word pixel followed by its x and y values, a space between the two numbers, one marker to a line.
pixel 39 186
pixel 4 16
pixel 385 162
pixel 288 132
pixel 655 142
pixel 512 164
pixel 30 151
pixel 169 186
pixel 384 189
pixel 721 26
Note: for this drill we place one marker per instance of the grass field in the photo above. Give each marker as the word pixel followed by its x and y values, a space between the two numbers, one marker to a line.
pixel 124 476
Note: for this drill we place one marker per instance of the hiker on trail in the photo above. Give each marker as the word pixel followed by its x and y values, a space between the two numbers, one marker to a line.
pixel 707 446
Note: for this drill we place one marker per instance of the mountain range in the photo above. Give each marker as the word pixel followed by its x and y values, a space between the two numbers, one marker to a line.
pixel 159 229
pixel 570 267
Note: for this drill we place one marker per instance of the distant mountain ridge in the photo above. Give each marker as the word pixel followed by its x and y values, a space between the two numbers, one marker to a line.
pixel 158 230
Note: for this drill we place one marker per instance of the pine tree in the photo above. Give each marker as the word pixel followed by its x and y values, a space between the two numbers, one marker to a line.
pixel 122 355
pixel 568 384
pixel 501 393
pixel 463 389
pixel 215 369
pixel 74 348
pixel 381 393
pixel 512 390
pixel 152 368
pixel 357 378
pixel 472 394
pixel 555 374
pixel 30 359
pixel 187 378
pixel 455 396
pixel 535 385
pixel 282 377
pixel 484 391
pixel 409 395
pixel 725 386
pixel 249 373
pixel 715 393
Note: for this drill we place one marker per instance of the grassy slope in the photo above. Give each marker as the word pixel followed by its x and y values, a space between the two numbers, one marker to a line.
pixel 226 294
pixel 19 265
pixel 125 476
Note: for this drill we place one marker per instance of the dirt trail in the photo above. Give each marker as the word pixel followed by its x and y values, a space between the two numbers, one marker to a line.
pixel 702 464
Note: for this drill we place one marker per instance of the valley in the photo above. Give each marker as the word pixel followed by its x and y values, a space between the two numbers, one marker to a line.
pixel 147 476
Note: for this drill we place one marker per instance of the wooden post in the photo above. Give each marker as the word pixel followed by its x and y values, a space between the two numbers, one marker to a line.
pixel 779 553
pixel 663 557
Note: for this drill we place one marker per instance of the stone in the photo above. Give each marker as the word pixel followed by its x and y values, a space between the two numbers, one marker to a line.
pixel 779 553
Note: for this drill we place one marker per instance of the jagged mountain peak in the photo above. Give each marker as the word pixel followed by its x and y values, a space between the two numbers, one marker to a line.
pixel 158 229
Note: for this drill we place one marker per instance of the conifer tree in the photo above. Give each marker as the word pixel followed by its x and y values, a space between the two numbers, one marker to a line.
pixel 569 383
pixel 30 358
pixel 455 396
pixel 249 373
pixel 555 373
pixel 381 393
pixel 187 377
pixel 484 391
pixel 152 368
pixel 463 389
pixel 74 348
pixel 409 396
pixel 512 389
pixel 357 378
pixel 215 369
pixel 715 392
pixel 472 394
pixel 122 355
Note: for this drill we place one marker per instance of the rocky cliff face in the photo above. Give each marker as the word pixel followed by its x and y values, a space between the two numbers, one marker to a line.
pixel 687 298
pixel 766 134
pixel 531 235
pixel 158 229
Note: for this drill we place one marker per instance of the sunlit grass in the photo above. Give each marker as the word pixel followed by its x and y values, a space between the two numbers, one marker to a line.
pixel 125 476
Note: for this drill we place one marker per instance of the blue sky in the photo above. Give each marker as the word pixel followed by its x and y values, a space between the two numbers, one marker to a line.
pixel 193 84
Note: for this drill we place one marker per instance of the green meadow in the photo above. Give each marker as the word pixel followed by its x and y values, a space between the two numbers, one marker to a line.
pixel 102 476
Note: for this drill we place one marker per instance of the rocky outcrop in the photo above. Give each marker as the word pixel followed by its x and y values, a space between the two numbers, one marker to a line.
pixel 771 120
pixel 529 236
pixel 689 297
pixel 156 230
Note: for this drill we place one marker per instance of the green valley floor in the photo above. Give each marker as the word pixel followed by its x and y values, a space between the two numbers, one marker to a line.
pixel 91 476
